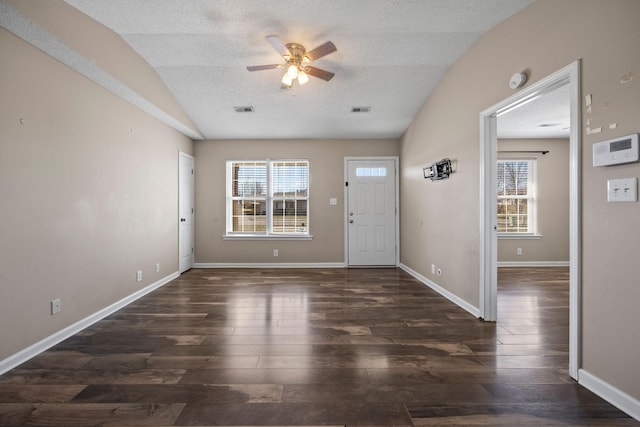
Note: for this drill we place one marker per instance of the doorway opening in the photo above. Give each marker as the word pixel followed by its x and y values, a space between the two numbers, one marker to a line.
pixel 533 227
pixel 569 75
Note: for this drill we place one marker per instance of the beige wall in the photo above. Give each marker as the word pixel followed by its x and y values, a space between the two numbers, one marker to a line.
pixel 326 169
pixel 442 226
pixel 88 185
pixel 552 201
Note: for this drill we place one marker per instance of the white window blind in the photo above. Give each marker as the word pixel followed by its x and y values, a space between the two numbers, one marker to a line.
pixel 289 196
pixel 516 202
pixel 247 197
pixel 268 197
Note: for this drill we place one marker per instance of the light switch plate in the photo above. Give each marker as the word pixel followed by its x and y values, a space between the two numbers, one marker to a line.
pixel 56 306
pixel 622 190
pixel 333 201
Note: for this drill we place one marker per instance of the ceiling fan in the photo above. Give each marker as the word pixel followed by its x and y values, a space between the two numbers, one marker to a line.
pixel 296 61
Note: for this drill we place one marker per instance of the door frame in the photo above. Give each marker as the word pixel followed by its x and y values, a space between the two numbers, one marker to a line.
pixel 181 155
pixel 396 164
pixel 488 194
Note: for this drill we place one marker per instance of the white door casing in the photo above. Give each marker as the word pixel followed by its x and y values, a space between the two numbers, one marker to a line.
pixel 371 212
pixel 186 181
pixel 488 237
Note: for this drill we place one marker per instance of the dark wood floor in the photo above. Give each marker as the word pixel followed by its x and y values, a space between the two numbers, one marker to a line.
pixel 356 347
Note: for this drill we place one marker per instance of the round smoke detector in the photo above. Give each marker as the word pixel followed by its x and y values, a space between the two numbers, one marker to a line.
pixel 517 80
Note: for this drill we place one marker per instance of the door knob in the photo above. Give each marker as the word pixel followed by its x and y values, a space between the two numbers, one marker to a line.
pixel 350 221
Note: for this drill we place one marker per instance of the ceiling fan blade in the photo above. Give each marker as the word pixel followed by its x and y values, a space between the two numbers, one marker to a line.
pixel 320 51
pixel 317 72
pixel 263 67
pixel 278 45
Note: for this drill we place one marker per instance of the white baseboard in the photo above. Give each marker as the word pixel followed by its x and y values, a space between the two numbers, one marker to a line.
pixel 475 311
pixel 268 265
pixel 533 263
pixel 611 394
pixel 48 342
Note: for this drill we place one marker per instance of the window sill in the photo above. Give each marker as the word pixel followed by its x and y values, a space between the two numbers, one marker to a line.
pixel 512 236
pixel 266 237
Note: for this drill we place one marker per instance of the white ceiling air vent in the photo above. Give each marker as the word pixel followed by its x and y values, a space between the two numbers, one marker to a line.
pixel 360 109
pixel 244 109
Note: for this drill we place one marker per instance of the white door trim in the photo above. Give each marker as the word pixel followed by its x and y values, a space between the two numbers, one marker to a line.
pixel 192 222
pixel 396 163
pixel 488 236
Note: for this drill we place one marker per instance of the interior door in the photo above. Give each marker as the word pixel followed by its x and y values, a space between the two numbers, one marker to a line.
pixel 185 209
pixel 371 212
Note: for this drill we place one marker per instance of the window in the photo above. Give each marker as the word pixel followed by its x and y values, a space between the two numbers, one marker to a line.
pixel 268 198
pixel 371 171
pixel 516 202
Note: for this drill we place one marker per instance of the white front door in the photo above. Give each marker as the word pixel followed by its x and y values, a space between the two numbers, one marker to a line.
pixel 186 214
pixel 371 212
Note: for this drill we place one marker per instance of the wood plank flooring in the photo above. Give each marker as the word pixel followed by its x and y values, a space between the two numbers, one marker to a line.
pixel 285 347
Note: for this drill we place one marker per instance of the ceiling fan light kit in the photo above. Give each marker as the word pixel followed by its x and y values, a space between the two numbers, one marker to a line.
pixel 296 59
pixel 292 72
pixel 286 80
pixel 302 77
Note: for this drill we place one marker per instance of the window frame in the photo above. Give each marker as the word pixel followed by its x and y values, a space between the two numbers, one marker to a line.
pixel 269 199
pixel 530 197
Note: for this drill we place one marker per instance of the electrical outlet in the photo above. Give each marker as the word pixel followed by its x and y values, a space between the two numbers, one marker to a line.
pixel 439 272
pixel 275 252
pixel 433 269
pixel 518 251
pixel 157 267
pixel 56 306
pixel 139 276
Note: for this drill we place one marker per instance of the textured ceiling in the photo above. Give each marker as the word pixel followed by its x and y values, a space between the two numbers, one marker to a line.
pixel 391 54
pixel 547 116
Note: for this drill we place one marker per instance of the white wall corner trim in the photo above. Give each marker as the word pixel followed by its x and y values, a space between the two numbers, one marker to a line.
pixel 533 263
pixel 475 311
pixel 268 265
pixel 48 342
pixel 611 394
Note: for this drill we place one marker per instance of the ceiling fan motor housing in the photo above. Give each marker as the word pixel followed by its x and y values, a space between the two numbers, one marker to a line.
pixel 297 53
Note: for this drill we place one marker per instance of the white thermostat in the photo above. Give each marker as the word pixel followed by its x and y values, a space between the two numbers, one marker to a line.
pixel 616 151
